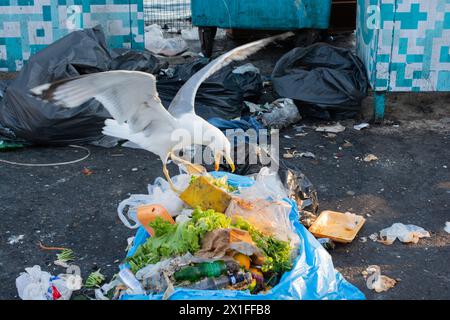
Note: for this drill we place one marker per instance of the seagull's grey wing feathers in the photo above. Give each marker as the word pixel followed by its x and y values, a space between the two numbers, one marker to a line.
pixel 129 96
pixel 185 98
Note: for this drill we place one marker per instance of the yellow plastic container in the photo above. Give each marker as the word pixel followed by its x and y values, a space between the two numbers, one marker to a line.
pixel 201 193
pixel 339 227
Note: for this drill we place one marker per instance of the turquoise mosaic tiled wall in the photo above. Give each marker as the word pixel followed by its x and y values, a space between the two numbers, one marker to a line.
pixel 27 26
pixel 409 47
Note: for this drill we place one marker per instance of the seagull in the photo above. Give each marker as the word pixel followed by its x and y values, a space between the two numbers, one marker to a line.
pixel 132 100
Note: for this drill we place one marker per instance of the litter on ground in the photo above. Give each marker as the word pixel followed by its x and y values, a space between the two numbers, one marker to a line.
pixel 447 227
pixel 337 128
pixel 370 157
pixel 15 239
pixel 361 126
pixel 339 227
pixel 376 281
pixel 35 284
pixel 404 233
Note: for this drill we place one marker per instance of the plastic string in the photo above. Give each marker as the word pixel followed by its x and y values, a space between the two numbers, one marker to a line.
pixel 51 164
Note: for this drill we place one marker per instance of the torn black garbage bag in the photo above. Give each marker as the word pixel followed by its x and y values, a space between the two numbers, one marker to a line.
pixel 80 52
pixel 325 81
pixel 221 95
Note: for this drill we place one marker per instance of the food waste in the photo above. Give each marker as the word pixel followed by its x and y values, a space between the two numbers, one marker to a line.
pixel 207 249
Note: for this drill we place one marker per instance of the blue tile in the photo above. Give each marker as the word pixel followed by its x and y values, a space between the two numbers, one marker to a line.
pixel 47 13
pixel 25 2
pixel 40 32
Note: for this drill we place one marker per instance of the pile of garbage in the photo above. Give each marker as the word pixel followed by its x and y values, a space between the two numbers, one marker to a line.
pixel 225 236
pixel 25 119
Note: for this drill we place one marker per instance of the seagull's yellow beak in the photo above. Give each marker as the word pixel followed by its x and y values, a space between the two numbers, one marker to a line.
pixel 230 162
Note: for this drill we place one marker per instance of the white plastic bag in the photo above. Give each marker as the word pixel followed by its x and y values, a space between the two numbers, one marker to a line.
pixel 192 34
pixel 404 233
pixel 35 284
pixel 156 43
pixel 268 212
pixel 283 113
pixel 267 186
pixel 158 193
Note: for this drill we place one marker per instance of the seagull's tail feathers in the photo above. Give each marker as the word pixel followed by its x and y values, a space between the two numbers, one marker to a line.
pixel 114 129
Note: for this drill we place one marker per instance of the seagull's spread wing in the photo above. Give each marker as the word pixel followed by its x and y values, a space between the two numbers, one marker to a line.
pixel 185 98
pixel 129 96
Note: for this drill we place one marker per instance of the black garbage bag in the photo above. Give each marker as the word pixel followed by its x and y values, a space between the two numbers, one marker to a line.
pixel 221 95
pixel 135 60
pixel 80 52
pixel 325 81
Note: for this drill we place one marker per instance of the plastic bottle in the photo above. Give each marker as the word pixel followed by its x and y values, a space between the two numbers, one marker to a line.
pixel 211 283
pixel 221 282
pixel 201 270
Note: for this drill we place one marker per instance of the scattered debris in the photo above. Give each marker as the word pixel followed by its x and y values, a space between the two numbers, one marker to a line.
pixel 15 239
pixel 350 193
pixel 374 237
pixel 65 256
pixel 87 171
pixel 404 233
pixel 288 155
pixel 363 239
pixel 370 157
pixel 299 128
pixel 307 218
pixel 447 227
pixel 295 154
pixel 191 34
pixel 347 144
pixel 301 134
pixel 361 126
pixel 130 241
pixel 257 108
pixel 134 169
pixel 94 280
pixel 337 128
pixel 376 281
pixel 339 227
pixel 327 243
pixel 330 135
pixel 35 284
pixel 156 43
pixel 248 67
pixel 308 155
pixel 283 113
pixel 10 145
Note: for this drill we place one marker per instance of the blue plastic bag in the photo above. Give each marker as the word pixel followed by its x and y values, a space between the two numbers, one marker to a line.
pixel 312 277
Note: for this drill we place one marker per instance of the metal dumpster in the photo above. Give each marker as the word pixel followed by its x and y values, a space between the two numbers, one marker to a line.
pixel 258 14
